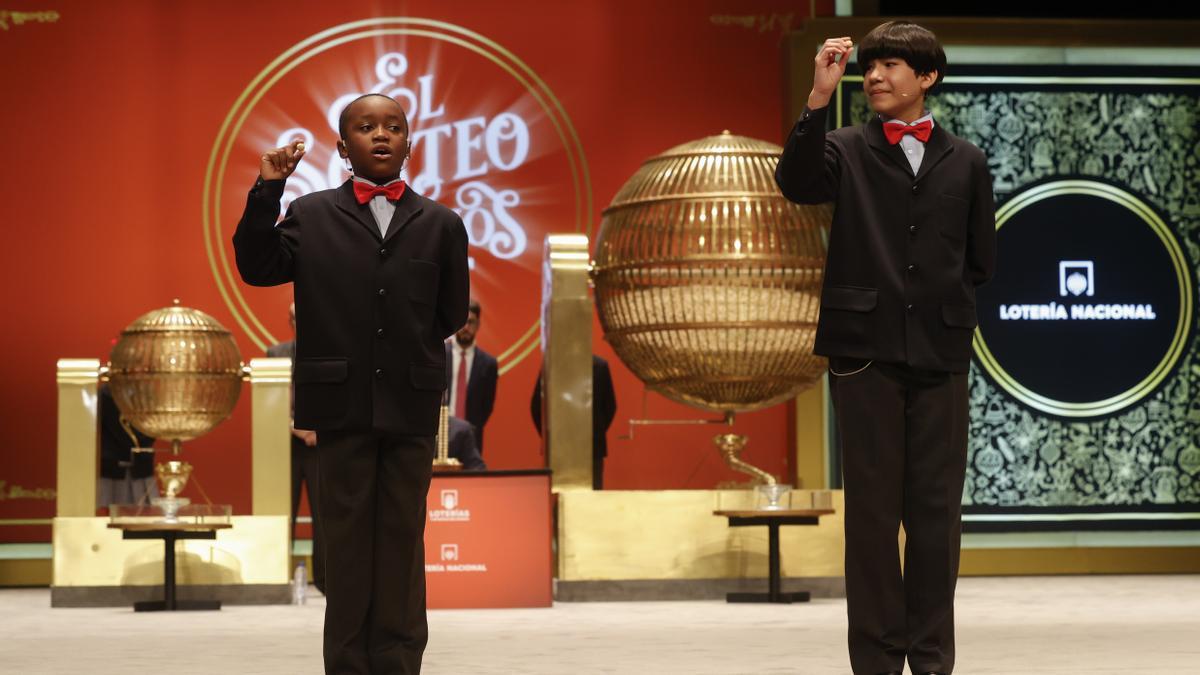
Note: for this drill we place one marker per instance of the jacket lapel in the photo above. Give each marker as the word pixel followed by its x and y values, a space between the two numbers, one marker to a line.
pixel 936 149
pixel 407 208
pixel 879 142
pixel 344 200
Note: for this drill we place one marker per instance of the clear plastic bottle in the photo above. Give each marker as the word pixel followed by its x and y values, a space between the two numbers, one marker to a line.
pixel 299 584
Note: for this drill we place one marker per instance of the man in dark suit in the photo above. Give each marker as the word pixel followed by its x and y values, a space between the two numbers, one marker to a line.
pixel 913 235
pixel 462 445
pixel 305 462
pixel 473 388
pixel 604 409
pixel 380 280
pixel 126 477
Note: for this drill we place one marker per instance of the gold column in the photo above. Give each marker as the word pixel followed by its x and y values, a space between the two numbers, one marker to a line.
pixel 811 471
pixel 76 477
pixel 271 449
pixel 567 349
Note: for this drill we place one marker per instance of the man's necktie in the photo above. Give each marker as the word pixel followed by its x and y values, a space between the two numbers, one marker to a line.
pixel 364 192
pixel 921 130
pixel 460 387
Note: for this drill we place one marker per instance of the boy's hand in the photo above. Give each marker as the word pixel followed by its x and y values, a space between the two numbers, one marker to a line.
pixel 279 163
pixel 831 65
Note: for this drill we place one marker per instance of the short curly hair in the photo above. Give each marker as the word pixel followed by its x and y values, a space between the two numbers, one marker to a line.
pixel 345 114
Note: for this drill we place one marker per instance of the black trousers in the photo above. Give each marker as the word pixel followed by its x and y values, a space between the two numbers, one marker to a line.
pixel 306 469
pixel 373 490
pixel 904 449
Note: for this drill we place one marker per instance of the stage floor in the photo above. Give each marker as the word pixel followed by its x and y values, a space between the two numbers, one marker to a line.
pixel 1027 625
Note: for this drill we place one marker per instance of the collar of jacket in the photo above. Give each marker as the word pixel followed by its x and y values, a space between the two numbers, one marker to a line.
pixel 407 208
pixel 936 148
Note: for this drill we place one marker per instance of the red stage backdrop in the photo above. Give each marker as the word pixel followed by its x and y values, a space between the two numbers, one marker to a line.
pixel 134 130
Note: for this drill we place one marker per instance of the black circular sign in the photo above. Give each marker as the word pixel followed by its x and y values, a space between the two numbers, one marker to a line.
pixel 1091 304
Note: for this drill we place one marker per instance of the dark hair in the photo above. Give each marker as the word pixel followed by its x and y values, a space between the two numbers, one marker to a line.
pixel 346 112
pixel 473 308
pixel 917 45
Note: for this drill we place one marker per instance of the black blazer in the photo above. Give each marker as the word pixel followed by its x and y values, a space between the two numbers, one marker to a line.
pixel 462 445
pixel 282 350
pixel 905 252
pixel 371 312
pixel 481 388
pixel 116 447
pixel 604 405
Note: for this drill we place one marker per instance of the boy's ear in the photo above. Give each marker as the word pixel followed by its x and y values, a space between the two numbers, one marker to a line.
pixel 927 80
pixel 341 148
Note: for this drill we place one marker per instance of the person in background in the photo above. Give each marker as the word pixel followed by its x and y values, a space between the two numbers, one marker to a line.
pixel 473 386
pixel 604 409
pixel 462 445
pixel 126 477
pixel 306 466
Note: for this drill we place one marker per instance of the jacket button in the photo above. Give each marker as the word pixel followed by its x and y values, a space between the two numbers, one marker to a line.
pixel 908 307
pixel 383 291
pixel 379 333
pixel 912 268
pixel 914 188
pixel 912 229
pixel 382 251
pixel 379 374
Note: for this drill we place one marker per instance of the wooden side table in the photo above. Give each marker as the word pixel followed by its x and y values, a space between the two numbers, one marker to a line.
pixel 773 520
pixel 170 533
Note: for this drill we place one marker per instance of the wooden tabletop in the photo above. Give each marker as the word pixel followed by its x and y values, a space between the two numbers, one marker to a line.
pixel 165 527
pixel 774 513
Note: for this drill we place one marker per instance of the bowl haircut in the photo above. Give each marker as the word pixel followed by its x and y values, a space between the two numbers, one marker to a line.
pixel 917 45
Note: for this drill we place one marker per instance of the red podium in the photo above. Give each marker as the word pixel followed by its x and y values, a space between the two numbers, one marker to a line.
pixel 487 540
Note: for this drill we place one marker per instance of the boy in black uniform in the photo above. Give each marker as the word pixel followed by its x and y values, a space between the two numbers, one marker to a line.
pixel 380 281
pixel 913 235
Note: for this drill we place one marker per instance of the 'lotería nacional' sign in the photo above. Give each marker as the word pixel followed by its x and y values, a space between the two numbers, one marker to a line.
pixel 1091 307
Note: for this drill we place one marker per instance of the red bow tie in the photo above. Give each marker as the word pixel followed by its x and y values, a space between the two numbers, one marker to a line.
pixel 894 132
pixel 363 192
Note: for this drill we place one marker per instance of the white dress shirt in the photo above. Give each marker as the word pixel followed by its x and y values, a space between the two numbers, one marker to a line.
pixel 381 207
pixel 914 150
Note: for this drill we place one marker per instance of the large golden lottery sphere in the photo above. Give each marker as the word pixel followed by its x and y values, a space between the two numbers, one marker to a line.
pixel 175 373
pixel 708 280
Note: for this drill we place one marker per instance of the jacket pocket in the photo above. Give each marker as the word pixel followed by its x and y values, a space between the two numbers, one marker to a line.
pixel 322 370
pixel 321 392
pixel 851 298
pixel 422 281
pixel 959 316
pixel 952 215
pixel 427 377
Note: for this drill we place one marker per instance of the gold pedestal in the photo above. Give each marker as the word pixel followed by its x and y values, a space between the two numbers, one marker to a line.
pixel 730 447
pixel 567 353
pixel 93 566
